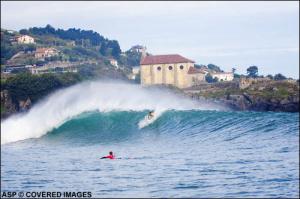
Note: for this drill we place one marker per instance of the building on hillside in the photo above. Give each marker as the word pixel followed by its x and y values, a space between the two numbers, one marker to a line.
pixel 170 70
pixel 139 49
pixel 42 53
pixel 135 71
pixel 195 76
pixel 54 68
pixel 11 31
pixel 14 68
pixel 223 76
pixel 114 62
pixel 23 39
pixel 71 43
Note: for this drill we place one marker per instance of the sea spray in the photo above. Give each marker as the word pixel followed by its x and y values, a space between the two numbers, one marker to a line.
pixel 106 96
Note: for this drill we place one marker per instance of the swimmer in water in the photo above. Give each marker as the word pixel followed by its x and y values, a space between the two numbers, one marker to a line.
pixel 110 156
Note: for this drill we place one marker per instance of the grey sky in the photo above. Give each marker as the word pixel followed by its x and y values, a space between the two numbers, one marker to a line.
pixel 229 34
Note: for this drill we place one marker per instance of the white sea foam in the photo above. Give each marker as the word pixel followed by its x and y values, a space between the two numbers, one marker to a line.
pixel 89 96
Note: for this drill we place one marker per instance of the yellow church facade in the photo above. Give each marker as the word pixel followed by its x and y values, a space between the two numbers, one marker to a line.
pixel 170 70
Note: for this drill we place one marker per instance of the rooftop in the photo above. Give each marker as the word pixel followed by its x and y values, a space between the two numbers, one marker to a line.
pixel 43 50
pixel 165 59
pixel 193 70
pixel 19 36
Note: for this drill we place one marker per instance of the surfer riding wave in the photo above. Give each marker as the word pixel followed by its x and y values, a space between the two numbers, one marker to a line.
pixel 150 115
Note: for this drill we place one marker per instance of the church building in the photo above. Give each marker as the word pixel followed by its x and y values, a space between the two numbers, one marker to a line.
pixel 171 69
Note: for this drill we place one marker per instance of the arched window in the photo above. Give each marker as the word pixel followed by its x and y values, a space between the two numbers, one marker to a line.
pixel 159 68
pixel 181 67
pixel 170 67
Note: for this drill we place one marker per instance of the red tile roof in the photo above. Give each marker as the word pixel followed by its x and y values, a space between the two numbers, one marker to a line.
pixel 193 70
pixel 165 59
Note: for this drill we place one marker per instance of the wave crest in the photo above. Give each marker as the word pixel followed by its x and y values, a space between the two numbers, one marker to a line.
pixel 106 96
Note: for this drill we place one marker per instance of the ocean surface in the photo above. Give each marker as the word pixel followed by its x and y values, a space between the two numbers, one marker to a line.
pixel 192 149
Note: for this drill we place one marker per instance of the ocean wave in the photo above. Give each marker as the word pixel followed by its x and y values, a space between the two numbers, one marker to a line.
pixel 101 96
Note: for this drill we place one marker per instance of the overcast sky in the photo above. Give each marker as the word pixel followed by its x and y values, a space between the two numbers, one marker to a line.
pixel 228 34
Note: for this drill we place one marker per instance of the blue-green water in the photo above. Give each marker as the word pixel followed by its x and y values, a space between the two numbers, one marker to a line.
pixel 187 153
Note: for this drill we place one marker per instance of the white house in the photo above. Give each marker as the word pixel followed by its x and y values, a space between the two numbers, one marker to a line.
pixel 223 76
pixel 135 70
pixel 114 62
pixel 42 53
pixel 24 39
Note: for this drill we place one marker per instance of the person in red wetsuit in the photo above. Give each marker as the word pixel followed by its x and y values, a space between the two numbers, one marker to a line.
pixel 110 156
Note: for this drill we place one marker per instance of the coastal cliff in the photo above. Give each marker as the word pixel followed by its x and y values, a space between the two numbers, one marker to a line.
pixel 259 94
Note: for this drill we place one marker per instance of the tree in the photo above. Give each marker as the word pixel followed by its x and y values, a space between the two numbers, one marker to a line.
pixel 233 70
pixel 77 35
pixel 24 32
pixel 279 76
pixel 116 50
pixel 25 85
pixel 210 79
pixel 50 30
pixel 214 67
pixel 270 76
pixel 236 75
pixel 252 71
pixel 29 48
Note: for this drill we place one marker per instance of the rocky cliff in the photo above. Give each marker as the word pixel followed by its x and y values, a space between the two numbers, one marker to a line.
pixel 251 94
pixel 8 107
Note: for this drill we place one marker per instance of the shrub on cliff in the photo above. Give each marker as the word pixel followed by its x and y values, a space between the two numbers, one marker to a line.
pixel 214 68
pixel 279 76
pixel 87 38
pixel 25 85
pixel 210 79
pixel 252 71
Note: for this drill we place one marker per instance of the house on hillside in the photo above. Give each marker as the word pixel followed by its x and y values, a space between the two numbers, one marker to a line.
pixel 23 39
pixel 15 68
pixel 71 43
pixel 195 76
pixel 171 69
pixel 55 67
pixel 223 76
pixel 42 53
pixel 113 62
pixel 138 48
pixel 11 31
pixel 135 70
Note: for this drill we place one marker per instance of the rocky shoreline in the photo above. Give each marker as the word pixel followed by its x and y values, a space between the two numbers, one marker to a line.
pixel 242 95
pixel 246 102
pixel 249 95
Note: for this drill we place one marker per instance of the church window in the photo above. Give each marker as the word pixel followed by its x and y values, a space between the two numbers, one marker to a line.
pixel 170 67
pixel 181 67
pixel 159 68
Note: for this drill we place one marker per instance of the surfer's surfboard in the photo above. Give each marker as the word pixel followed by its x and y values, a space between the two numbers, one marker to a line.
pixel 146 121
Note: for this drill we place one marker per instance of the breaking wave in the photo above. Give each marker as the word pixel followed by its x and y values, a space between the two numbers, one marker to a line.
pixel 102 96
